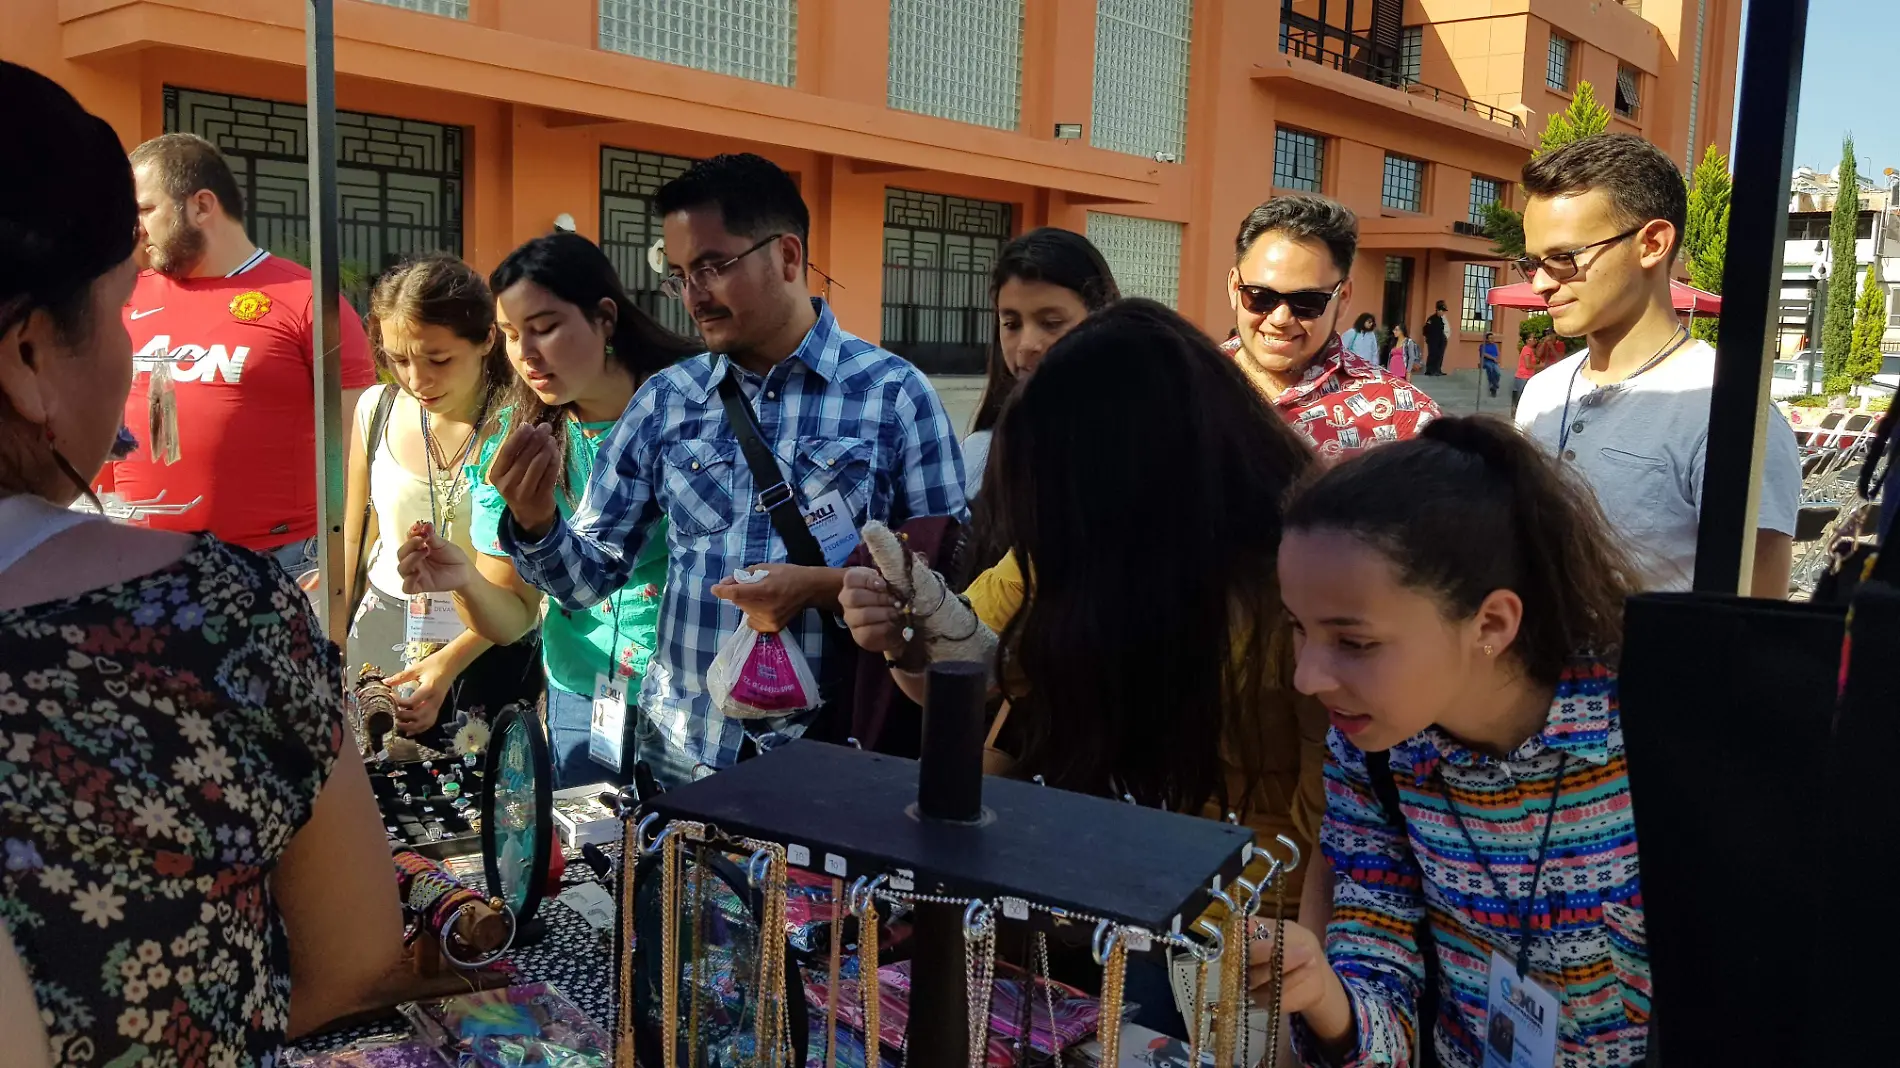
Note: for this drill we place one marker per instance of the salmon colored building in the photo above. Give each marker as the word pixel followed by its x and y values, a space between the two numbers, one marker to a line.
pixel 924 133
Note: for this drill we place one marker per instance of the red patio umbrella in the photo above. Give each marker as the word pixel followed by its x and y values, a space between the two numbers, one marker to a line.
pixel 1685 297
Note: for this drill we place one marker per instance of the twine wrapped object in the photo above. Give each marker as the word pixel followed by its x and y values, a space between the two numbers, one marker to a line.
pixel 946 622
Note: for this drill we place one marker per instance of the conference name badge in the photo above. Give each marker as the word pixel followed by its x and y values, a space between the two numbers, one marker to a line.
pixel 250 307
pixel 1521 1020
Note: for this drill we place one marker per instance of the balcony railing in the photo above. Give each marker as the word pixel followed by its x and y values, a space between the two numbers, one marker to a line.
pixel 1390 77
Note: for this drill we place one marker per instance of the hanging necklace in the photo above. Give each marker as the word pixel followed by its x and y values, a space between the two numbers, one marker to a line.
pixel 442 517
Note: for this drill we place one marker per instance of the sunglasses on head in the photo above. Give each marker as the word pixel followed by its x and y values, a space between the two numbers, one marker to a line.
pixel 1304 303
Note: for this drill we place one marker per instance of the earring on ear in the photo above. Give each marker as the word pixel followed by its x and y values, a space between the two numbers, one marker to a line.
pixel 1490 650
pixel 610 350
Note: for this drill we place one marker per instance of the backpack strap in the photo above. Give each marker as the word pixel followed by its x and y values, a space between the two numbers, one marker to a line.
pixel 378 426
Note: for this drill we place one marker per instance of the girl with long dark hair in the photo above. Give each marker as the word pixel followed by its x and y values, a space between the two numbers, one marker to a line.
pixel 1044 284
pixel 579 349
pixel 1363 339
pixel 432 333
pixel 1138 480
pixel 1458 604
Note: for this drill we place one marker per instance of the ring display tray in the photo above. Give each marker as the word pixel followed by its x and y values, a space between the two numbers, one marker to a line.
pixel 408 824
pixel 846 812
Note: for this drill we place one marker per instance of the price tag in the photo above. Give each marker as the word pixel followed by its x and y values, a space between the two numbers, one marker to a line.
pixel 607 732
pixel 834 865
pixel 1015 908
pixel 799 855
pixel 595 904
pixel 431 618
pixel 830 521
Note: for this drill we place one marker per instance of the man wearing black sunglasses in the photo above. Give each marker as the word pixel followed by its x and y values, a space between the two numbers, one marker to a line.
pixel 1290 289
pixel 1603 224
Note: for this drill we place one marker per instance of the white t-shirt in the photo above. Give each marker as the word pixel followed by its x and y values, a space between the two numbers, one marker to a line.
pixel 401 497
pixel 976 456
pixel 1642 445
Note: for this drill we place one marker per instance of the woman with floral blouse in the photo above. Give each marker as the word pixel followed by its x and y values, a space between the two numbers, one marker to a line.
pixel 191 865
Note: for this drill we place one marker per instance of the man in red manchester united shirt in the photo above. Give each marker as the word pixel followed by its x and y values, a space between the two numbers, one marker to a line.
pixel 1290 287
pixel 233 322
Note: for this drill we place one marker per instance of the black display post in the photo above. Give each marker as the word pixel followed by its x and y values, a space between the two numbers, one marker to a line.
pixel 949 790
pixel 1774 41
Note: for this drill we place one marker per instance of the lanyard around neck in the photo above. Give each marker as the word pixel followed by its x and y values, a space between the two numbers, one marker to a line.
pixel 1676 341
pixel 1521 912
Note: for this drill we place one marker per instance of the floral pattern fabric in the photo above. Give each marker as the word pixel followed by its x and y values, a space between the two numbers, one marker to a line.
pixel 161 740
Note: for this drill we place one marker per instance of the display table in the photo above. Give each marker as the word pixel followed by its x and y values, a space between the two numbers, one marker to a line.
pixel 571 954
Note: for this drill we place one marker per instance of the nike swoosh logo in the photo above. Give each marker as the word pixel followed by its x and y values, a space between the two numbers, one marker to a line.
pixel 137 315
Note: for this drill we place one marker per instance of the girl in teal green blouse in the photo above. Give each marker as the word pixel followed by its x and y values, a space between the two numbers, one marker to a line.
pixel 580 349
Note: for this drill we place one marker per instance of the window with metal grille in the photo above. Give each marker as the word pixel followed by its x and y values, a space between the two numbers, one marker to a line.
pixel 452 9
pixel 1404 187
pixel 1557 71
pixel 960 60
pixel 399 181
pixel 629 226
pixel 1299 160
pixel 1145 254
pixel 938 253
pixel 756 39
pixel 1479 282
pixel 1629 92
pixel 1484 193
pixel 1411 53
pixel 1141 76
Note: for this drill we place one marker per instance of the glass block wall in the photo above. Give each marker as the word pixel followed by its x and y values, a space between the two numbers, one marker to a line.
pixel 958 59
pixel 755 39
pixel 452 9
pixel 1145 254
pixel 1141 76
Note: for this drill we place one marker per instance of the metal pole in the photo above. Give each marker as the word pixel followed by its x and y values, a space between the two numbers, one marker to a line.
pixel 1775 41
pixel 326 324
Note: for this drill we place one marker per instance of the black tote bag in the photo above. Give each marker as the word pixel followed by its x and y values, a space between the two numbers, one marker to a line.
pixel 1760 762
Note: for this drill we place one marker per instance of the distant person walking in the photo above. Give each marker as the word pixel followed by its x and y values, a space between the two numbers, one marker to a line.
pixel 1363 339
pixel 1488 359
pixel 1398 362
pixel 1437 337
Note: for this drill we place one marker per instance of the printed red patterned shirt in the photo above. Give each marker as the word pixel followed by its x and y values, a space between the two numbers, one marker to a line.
pixel 1345 404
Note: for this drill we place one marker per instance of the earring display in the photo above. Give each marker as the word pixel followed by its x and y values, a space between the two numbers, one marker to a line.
pixel 902 839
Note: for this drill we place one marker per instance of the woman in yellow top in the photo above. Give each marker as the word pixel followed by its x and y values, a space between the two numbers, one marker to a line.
pixel 1138 479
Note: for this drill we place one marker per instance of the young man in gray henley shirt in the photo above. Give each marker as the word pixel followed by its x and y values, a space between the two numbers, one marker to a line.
pixel 1602 227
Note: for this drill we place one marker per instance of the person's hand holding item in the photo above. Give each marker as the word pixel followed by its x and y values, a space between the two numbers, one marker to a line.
pixel 870 610
pixel 524 472
pixel 1309 985
pixel 418 709
pixel 771 603
pixel 429 563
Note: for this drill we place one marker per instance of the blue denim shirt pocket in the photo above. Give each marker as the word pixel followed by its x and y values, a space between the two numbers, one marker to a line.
pixel 841 464
pixel 698 486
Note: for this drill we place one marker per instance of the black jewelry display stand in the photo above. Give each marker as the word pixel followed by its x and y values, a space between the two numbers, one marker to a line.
pixel 939 823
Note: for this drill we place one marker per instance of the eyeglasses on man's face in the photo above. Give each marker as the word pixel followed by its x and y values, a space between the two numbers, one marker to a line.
pixel 1563 266
pixel 703 277
pixel 1304 303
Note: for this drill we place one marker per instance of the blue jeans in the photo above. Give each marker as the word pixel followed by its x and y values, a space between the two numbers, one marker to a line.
pixel 570 725
pixel 295 557
pixel 1491 374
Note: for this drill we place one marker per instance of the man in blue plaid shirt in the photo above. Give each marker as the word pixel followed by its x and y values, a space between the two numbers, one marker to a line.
pixel 839 414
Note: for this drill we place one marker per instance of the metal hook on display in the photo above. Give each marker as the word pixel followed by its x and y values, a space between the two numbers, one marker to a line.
pixel 627 800
pixel 862 890
pixel 659 840
pixel 1253 891
pixel 758 866
pixel 1102 942
pixel 1212 953
pixel 977 919
pixel 1291 847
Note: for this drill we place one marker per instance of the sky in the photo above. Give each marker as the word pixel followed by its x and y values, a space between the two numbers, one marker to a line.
pixel 1844 85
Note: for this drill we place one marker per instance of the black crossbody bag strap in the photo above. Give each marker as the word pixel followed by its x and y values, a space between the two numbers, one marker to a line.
pixel 775 495
pixel 1386 789
pixel 378 426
